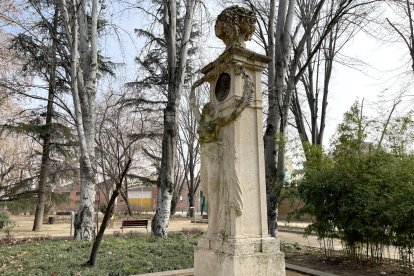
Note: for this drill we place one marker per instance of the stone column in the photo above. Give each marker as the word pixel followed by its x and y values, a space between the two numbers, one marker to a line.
pixel 243 246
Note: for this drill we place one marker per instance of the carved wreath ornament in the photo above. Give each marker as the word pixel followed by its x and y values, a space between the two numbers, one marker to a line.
pixel 235 25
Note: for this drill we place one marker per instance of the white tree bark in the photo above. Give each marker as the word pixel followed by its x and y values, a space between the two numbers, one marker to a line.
pixel 83 49
pixel 176 74
pixel 281 50
pixel 285 81
pixel 269 155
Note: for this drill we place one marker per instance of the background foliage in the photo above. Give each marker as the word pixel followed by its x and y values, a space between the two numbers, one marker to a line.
pixel 360 193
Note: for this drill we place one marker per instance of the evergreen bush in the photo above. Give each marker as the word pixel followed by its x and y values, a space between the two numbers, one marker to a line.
pixel 362 194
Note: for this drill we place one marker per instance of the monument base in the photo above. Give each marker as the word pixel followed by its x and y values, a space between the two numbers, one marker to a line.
pixel 239 257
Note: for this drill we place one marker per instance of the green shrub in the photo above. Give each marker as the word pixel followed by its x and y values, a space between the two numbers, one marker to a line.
pixel 361 193
pixel 4 219
pixel 6 224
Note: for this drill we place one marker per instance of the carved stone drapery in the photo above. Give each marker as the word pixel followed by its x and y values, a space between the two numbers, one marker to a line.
pixel 219 177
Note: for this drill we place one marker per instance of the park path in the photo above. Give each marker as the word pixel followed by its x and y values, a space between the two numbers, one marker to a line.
pixel 24 225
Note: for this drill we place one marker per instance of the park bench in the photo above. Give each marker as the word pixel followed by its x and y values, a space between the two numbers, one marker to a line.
pixel 204 218
pixel 63 213
pixel 139 223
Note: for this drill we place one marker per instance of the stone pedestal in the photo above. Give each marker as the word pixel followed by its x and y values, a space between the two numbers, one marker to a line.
pixel 239 257
pixel 232 158
pixel 243 247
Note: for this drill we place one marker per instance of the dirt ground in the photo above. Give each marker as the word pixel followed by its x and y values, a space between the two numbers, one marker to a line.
pixel 338 264
pixel 62 227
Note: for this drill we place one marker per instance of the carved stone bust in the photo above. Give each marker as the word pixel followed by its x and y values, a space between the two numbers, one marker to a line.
pixel 235 25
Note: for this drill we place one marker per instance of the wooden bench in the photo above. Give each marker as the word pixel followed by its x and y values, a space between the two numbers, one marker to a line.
pixel 204 218
pixel 140 223
pixel 63 213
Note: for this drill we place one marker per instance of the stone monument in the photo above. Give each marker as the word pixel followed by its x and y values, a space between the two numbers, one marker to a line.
pixel 232 162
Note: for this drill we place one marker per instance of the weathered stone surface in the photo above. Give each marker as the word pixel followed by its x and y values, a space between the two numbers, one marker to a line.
pixel 210 262
pixel 235 25
pixel 232 161
pixel 243 246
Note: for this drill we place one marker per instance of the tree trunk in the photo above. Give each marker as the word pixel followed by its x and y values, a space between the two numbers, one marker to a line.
pixel 161 218
pixel 276 80
pixel 104 224
pixel 191 201
pixel 84 222
pixel 174 201
pixel 108 214
pixel 272 138
pixel 84 226
pixel 159 224
pixel 125 197
pixel 41 193
pixel 272 120
pixel 165 181
pixel 177 62
pixel 44 167
pixel 84 66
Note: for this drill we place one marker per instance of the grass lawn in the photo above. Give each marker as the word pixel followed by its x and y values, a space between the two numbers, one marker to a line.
pixel 117 256
pixel 126 255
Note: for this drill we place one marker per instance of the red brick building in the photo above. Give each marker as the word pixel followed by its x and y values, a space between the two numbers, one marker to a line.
pixel 72 191
pixel 141 199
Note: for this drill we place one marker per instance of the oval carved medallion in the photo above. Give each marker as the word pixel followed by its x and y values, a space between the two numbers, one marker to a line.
pixel 222 87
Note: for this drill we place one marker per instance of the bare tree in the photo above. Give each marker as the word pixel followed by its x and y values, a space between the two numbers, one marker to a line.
pixel 298 66
pixel 17 149
pixel 310 109
pixel 9 12
pixel 177 62
pixel 82 38
pixel 189 153
pixel 405 30
pixel 17 163
pixel 107 216
pixel 289 47
pixel 122 132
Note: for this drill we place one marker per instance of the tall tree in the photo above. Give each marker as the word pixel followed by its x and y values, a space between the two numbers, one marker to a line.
pixel 165 65
pixel 42 55
pixel 189 153
pixel 310 98
pixel 279 37
pixel 82 37
pixel 287 46
pixel 297 68
pixel 176 68
pixel 46 136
